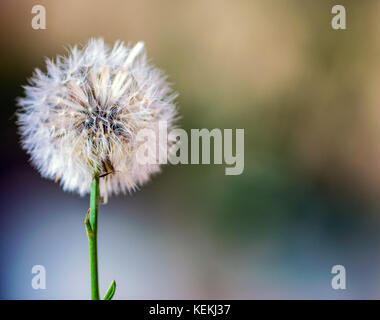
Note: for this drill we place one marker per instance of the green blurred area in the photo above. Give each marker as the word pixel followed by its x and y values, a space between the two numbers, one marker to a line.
pixel 304 93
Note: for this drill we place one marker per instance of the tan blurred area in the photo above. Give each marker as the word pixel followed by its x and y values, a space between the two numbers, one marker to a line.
pixel 276 68
pixel 233 47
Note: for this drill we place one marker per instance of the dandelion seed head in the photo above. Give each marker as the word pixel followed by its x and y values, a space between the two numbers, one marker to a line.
pixel 85 113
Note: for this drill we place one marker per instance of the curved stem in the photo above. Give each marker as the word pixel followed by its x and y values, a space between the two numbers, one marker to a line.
pixel 92 230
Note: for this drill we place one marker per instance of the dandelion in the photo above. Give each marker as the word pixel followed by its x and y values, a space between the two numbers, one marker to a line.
pixel 85 114
pixel 79 123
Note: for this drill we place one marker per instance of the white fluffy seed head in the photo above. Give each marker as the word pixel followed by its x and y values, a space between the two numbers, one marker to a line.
pixel 86 111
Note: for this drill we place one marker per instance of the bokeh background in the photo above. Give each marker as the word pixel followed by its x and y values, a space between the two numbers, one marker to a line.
pixel 308 98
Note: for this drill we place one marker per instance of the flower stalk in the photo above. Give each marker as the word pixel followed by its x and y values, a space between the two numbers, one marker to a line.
pixel 91 223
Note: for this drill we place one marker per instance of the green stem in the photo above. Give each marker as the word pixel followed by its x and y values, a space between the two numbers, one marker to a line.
pixel 92 230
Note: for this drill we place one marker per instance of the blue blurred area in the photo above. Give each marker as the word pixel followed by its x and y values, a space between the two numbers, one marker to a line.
pixel 282 246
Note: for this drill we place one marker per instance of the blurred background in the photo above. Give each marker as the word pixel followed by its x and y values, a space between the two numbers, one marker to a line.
pixel 308 98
